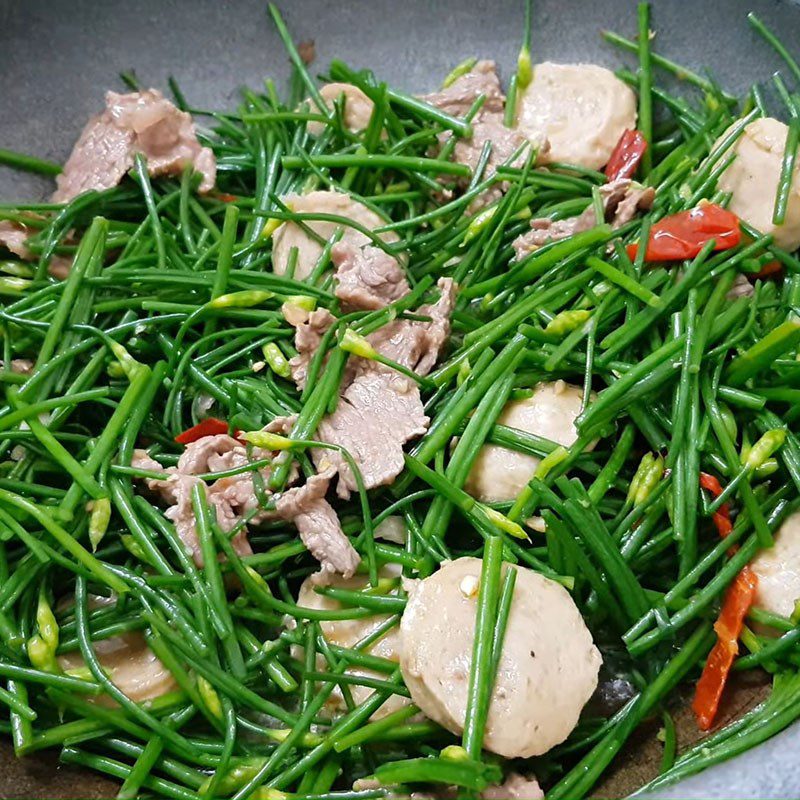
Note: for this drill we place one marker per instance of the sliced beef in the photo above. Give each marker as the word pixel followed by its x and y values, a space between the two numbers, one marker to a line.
pixel 515 787
pixel 234 499
pixel 139 122
pixel 231 498
pixel 379 410
pixel 622 200
pixel 414 343
pixel 366 277
pixel 13 237
pixel 487 126
pixel 21 366
pixel 318 525
pixel 741 287
pixel 377 414
pixel 457 99
pixel 310 327
pixel 544 230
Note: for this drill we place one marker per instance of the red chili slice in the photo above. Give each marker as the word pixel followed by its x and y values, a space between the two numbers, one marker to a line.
pixel 684 235
pixel 728 627
pixel 627 154
pixel 722 516
pixel 211 426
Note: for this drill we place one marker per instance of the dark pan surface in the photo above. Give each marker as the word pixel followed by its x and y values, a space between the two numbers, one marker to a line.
pixel 57 57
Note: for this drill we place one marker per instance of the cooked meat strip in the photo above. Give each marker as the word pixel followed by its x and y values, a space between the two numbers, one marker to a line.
pixel 457 99
pixel 487 126
pixel 622 200
pixel 309 248
pixel 377 414
pixel 231 498
pixel 319 527
pixel 515 787
pixel 366 277
pixel 139 122
pixel 357 107
pixel 21 366
pixel 234 497
pixel 13 237
pixel 310 327
pixel 416 344
pixel 380 410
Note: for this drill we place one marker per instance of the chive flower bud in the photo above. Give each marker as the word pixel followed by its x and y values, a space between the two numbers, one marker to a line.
pixel 551 460
pixel 42 647
pixel 276 360
pixel 127 363
pixel 270 226
pixel 98 520
pixel 502 522
pixel 46 622
pixel 209 696
pixel 755 456
pixel 12 285
pixel 257 578
pixel 244 299
pixel 132 546
pixel 41 655
pixel 454 752
pixel 567 321
pixel 524 68
pixel 356 344
pixel 303 301
pixel 464 371
pixel 268 441
pixel 461 69
pixel 478 223
pixel 769 467
pixel 235 777
pixel 281 734
pixel 646 478
pixel 17 269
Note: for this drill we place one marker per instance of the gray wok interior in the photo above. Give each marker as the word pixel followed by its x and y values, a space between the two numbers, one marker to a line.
pixel 57 57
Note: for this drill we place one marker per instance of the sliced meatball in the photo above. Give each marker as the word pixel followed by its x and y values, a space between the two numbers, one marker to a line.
pixel 752 178
pixel 548 668
pixel 130 664
pixel 357 107
pixel 349 632
pixel 500 474
pixel 580 109
pixel 290 235
pixel 778 570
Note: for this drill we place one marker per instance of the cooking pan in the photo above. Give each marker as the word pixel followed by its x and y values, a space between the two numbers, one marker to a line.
pixel 57 57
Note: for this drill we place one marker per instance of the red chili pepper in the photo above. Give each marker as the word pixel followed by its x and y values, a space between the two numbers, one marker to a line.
pixel 627 154
pixel 226 198
pixel 770 268
pixel 722 516
pixel 211 426
pixel 684 235
pixel 728 627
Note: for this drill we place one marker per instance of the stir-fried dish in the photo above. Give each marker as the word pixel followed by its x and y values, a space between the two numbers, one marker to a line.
pixel 362 444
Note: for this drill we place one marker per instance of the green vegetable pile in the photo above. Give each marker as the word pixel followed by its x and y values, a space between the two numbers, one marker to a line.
pixel 171 301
